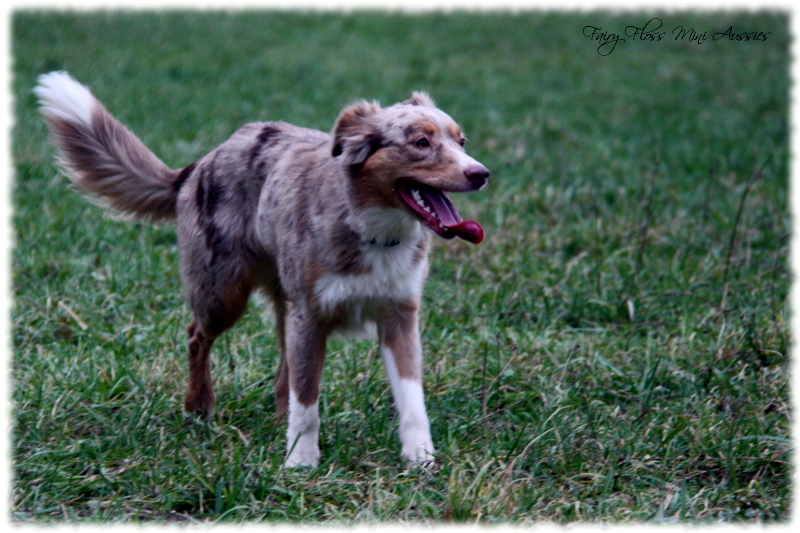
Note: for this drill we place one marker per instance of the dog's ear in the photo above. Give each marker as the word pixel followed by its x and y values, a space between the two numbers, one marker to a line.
pixel 420 98
pixel 356 135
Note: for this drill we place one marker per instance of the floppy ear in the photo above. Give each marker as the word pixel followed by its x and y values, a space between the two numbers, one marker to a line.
pixel 420 98
pixel 356 135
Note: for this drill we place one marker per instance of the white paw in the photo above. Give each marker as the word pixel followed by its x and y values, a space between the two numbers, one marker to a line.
pixel 303 454
pixel 419 452
pixel 302 435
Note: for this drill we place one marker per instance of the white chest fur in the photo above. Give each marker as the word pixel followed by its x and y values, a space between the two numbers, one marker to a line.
pixel 395 273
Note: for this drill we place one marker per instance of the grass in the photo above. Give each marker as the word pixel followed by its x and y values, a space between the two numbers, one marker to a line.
pixel 616 350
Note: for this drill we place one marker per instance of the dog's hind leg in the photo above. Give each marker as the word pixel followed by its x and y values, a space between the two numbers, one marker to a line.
pixel 200 396
pixel 218 296
pixel 215 311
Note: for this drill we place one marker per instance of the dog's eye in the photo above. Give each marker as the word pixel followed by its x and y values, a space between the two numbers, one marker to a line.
pixel 462 142
pixel 422 143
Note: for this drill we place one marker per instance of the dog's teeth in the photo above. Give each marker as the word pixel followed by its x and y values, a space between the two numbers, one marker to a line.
pixel 424 205
pixel 420 202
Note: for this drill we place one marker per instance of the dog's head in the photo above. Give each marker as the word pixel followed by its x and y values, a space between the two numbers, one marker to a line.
pixel 409 156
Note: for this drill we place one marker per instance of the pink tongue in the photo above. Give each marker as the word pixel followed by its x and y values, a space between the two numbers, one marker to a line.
pixel 468 230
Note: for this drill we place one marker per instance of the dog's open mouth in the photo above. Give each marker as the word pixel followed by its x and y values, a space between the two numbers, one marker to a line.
pixel 434 208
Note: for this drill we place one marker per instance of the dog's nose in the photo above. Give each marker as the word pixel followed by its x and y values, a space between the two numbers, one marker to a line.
pixel 477 174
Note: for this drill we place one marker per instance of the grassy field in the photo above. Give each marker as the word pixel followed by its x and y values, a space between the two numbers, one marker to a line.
pixel 616 349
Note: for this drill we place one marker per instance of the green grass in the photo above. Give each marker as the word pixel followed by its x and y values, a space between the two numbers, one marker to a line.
pixel 615 350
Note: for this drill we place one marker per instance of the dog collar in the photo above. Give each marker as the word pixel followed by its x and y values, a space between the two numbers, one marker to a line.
pixel 392 242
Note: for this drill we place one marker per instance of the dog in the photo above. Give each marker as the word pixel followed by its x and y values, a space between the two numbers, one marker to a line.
pixel 334 229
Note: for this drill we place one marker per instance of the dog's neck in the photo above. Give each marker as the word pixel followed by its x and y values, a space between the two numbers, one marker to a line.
pixel 389 227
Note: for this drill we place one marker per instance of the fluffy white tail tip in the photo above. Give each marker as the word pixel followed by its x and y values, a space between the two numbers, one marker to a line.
pixel 61 97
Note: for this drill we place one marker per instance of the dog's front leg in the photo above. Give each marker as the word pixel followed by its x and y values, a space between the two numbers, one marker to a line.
pixel 305 339
pixel 402 355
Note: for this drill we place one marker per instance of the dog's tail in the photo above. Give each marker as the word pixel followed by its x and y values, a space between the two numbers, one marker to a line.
pixel 102 156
